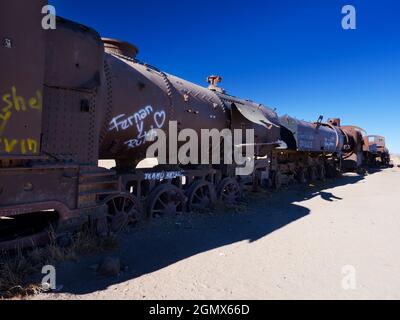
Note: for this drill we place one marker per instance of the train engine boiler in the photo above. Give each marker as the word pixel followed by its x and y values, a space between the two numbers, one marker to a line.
pixel 313 151
pixel 353 156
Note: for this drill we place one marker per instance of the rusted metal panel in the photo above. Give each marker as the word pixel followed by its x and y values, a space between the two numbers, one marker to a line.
pixel 22 60
pixel 244 114
pixel 70 127
pixel 120 48
pixel 256 114
pixel 74 56
pixel 38 184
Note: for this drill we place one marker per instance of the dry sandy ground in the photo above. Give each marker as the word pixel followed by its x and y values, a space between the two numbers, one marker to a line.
pixel 396 159
pixel 291 245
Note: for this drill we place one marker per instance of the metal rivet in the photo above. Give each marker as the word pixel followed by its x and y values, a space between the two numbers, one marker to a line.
pixel 7 43
pixel 28 186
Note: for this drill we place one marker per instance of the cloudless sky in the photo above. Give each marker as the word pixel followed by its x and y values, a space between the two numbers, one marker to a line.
pixel 290 55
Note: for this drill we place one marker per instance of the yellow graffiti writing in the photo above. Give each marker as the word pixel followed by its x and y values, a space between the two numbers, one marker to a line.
pixel 15 103
pixel 23 146
pixel 9 145
pixel 32 145
pixel 4 120
pixel 19 103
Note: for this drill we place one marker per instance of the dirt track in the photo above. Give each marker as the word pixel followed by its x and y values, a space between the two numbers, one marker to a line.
pixel 291 245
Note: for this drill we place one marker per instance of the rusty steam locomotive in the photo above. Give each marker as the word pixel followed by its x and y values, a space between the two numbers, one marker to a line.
pixel 70 98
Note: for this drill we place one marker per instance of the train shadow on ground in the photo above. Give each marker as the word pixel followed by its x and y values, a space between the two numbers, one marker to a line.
pixel 167 241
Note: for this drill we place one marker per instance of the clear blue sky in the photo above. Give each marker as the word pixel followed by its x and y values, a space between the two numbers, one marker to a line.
pixel 292 55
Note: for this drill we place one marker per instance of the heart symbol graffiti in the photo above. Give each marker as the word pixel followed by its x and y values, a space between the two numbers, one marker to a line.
pixel 159 119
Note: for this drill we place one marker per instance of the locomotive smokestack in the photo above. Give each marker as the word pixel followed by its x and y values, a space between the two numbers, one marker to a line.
pixel 213 84
pixel 119 47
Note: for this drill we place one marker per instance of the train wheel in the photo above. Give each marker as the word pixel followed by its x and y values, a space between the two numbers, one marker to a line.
pixel 123 210
pixel 201 194
pixel 321 173
pixel 276 180
pixel 312 172
pixel 166 200
pixel 229 191
pixel 301 176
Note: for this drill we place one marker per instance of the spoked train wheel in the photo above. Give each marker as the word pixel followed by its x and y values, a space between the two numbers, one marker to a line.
pixel 229 191
pixel 166 200
pixel 122 210
pixel 201 195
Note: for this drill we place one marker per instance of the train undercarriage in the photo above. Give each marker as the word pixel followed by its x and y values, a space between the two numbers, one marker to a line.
pixel 108 200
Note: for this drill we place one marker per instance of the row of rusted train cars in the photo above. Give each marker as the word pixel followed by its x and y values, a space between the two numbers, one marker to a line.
pixel 70 98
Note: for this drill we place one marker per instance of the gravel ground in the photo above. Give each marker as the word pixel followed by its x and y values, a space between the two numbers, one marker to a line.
pixel 337 240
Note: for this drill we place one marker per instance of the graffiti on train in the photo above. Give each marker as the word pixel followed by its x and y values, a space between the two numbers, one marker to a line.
pixel 153 119
pixel 19 146
pixel 12 103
